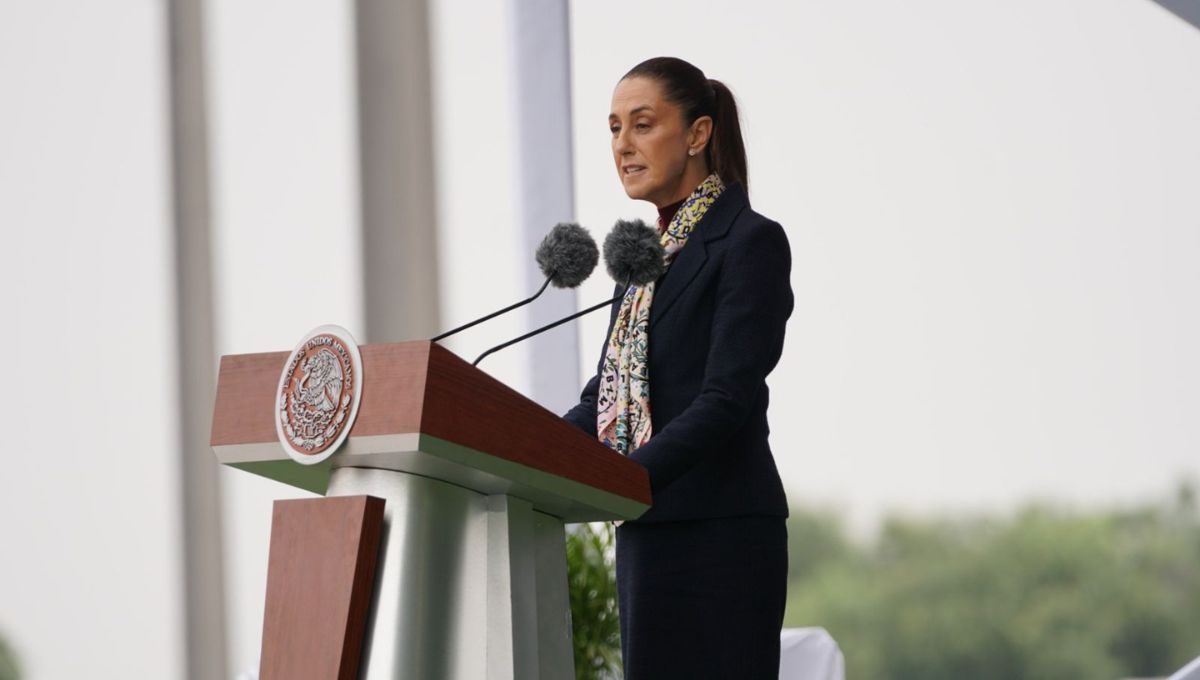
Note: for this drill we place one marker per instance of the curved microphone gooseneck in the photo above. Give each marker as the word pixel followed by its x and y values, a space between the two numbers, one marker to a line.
pixel 632 253
pixel 567 256
pixel 493 315
pixel 548 326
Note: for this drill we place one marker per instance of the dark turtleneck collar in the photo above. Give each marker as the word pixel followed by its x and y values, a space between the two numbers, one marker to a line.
pixel 666 214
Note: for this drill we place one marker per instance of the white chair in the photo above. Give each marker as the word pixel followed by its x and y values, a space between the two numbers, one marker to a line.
pixel 1188 672
pixel 811 654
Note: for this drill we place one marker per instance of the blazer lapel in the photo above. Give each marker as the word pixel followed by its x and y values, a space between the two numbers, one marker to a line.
pixel 685 267
pixel 713 225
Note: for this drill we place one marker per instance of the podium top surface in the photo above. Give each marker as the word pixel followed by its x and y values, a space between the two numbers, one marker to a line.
pixel 426 411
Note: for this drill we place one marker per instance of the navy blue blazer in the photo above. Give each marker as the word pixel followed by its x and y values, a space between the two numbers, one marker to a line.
pixel 716 330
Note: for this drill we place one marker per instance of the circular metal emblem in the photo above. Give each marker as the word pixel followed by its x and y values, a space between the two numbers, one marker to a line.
pixel 318 394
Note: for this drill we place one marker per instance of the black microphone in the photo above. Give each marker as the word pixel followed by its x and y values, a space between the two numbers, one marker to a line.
pixel 632 253
pixel 567 256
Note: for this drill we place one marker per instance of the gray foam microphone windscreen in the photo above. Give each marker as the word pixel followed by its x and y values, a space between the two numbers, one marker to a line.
pixel 567 255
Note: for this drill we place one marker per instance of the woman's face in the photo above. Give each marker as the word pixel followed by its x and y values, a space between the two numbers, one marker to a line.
pixel 650 143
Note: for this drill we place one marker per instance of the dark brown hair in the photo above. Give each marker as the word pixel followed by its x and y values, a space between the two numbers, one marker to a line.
pixel 686 86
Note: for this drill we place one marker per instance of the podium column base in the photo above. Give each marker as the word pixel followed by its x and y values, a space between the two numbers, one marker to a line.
pixel 467 586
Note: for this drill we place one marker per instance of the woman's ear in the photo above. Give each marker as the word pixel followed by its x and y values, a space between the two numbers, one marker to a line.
pixel 700 133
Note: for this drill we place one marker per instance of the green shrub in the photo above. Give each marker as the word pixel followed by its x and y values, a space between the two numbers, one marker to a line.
pixel 8 663
pixel 593 590
pixel 1043 595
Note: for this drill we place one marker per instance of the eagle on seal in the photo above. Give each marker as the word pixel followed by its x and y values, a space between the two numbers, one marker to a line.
pixel 321 386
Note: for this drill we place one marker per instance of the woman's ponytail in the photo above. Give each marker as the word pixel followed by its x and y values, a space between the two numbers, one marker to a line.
pixel 697 95
pixel 726 152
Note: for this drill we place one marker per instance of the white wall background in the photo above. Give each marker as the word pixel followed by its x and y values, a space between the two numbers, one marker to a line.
pixel 284 117
pixel 993 218
pixel 482 264
pixel 90 576
pixel 285 224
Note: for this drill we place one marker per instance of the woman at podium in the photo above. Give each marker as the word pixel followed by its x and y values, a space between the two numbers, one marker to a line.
pixel 681 389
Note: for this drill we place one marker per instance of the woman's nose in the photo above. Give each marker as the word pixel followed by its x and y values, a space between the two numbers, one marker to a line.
pixel 621 142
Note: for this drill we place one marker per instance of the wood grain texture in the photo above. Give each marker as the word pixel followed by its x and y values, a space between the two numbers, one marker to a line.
pixel 422 387
pixel 469 407
pixel 319 582
pixel 394 378
pixel 393 389
pixel 244 411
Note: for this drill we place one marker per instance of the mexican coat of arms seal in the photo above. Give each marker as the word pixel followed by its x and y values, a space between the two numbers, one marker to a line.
pixel 318 394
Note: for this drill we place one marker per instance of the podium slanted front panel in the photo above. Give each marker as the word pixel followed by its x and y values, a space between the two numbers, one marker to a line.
pixel 319 585
pixel 426 411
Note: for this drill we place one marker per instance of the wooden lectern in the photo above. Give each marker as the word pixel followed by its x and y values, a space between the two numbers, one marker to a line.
pixel 461 572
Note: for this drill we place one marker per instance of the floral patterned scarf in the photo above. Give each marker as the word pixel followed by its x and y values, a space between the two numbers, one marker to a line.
pixel 623 409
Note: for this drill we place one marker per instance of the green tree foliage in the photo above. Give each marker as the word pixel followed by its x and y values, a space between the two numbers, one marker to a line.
pixel 8 663
pixel 593 592
pixel 1042 595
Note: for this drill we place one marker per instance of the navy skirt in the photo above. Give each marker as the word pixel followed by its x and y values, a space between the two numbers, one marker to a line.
pixel 703 598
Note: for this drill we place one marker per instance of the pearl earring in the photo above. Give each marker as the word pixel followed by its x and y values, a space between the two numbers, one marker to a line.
pixel 691 152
